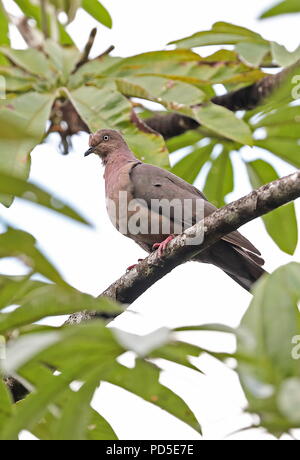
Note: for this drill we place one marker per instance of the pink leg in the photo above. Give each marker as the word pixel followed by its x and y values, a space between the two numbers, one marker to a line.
pixel 131 267
pixel 162 246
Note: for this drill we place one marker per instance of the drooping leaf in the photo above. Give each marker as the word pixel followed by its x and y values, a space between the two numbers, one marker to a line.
pixel 223 122
pixel 98 12
pixel 219 181
pixel 285 148
pixel 18 187
pixel 170 93
pixel 64 58
pixel 221 33
pixel 252 53
pixel 22 127
pixel 273 314
pixel 133 380
pixel 4 37
pixel 190 166
pixel 282 56
pixel 6 405
pixel 51 300
pixel 106 108
pixel 284 7
pixel 31 60
pixel 281 224
pixel 16 243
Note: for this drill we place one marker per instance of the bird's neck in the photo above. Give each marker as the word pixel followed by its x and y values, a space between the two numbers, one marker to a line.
pixel 115 161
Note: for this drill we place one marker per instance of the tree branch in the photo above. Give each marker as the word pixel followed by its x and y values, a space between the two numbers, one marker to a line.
pixel 223 221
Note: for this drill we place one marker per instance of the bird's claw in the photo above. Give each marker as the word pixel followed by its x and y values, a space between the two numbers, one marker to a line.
pixel 162 246
pixel 131 267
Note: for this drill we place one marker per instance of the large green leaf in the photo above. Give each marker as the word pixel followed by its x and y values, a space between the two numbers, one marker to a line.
pixel 281 224
pixel 190 166
pixel 16 243
pixel 63 58
pixel 4 38
pixel 97 10
pixel 219 182
pixel 252 53
pixel 22 127
pixel 184 65
pixel 31 60
pixel 168 92
pixel 106 108
pixel 18 187
pixel 6 406
pixel 282 56
pixel 51 300
pixel 221 33
pixel 143 380
pixel 267 335
pixel 222 122
pixel 284 7
pixel 285 148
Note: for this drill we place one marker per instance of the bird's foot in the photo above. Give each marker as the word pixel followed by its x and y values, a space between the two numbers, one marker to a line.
pixel 162 246
pixel 131 267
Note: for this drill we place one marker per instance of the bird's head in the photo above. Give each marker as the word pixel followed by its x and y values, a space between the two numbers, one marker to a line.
pixel 106 142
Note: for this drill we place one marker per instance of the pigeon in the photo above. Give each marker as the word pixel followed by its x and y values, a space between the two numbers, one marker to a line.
pixel 134 191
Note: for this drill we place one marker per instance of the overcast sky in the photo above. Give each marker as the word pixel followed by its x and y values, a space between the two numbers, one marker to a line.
pixel 92 259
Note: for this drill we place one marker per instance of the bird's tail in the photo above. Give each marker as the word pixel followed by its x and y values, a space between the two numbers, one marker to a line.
pixel 243 266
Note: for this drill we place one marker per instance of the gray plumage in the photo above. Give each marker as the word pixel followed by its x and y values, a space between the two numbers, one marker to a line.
pixel 234 253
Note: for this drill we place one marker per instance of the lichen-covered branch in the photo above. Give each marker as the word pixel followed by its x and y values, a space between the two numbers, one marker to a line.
pixel 223 221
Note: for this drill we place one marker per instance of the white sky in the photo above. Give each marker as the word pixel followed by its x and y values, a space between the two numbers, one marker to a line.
pixel 92 259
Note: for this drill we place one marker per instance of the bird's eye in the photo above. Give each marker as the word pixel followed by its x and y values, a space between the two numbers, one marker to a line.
pixel 105 138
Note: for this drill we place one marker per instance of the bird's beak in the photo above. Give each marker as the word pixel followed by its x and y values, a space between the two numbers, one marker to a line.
pixel 89 151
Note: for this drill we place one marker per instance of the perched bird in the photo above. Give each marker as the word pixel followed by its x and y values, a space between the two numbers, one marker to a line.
pixel 129 181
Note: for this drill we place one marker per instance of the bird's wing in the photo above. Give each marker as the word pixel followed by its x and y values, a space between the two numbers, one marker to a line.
pixel 150 182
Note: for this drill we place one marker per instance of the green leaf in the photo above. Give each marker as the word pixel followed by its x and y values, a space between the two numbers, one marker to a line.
pixel 281 224
pixel 169 93
pixel 17 187
pixel 51 300
pixel 282 56
pixel 219 181
pixel 273 313
pixel 223 122
pixel 4 31
pixel 252 53
pixel 190 166
pixel 289 399
pixel 22 127
pixel 31 60
pixel 100 429
pixel 64 59
pixel 16 243
pixel 6 406
pixel 133 380
pixel 284 7
pixel 98 12
pixel 222 33
pixel 71 427
pixel 184 140
pixel 105 108
pixel 285 148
